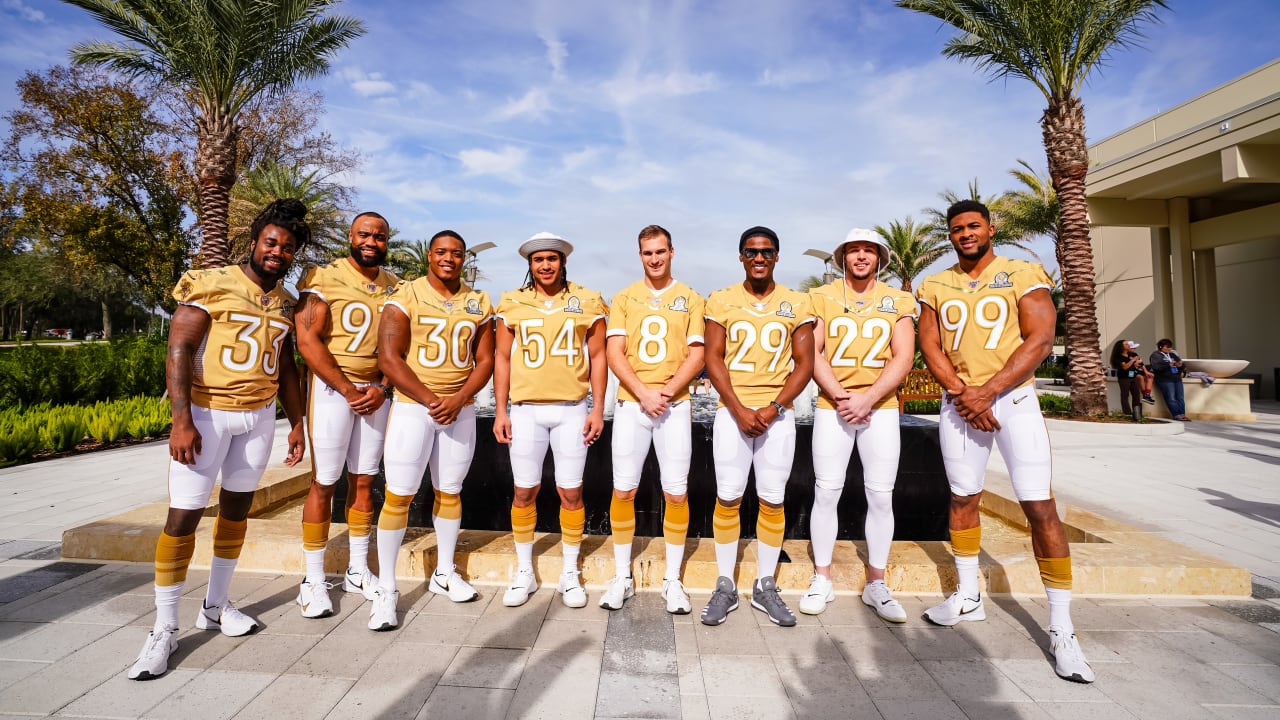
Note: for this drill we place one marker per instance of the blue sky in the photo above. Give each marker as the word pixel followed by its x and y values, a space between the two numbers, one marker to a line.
pixel 594 119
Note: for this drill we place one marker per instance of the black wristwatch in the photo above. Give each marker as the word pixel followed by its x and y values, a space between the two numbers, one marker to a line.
pixel 778 406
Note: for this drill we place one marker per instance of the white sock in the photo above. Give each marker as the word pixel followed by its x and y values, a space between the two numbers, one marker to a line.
pixel 315 565
pixel 524 556
pixel 766 560
pixel 967 569
pixel 675 556
pixel 446 540
pixel 388 550
pixel 1060 609
pixel 358 555
pixel 219 581
pixel 622 560
pixel 726 558
pixel 167 597
pixel 570 553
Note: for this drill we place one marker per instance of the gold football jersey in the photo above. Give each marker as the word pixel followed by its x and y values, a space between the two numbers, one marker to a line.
pixel 237 365
pixel 857 337
pixel 658 327
pixel 354 305
pixel 549 361
pixel 978 318
pixel 757 346
pixel 442 333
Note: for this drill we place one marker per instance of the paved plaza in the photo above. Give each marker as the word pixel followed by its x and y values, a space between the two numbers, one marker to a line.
pixel 69 630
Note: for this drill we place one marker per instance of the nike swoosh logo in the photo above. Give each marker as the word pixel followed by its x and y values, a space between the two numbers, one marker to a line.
pixel 886 602
pixel 1018 400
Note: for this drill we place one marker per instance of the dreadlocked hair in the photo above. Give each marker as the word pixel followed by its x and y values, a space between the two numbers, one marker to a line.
pixel 288 214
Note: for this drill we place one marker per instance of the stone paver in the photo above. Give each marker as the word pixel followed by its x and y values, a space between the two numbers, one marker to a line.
pixel 68 631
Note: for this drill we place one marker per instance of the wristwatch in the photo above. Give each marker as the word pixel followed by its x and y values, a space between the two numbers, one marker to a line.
pixel 778 406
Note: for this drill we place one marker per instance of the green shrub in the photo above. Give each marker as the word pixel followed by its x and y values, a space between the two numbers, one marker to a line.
pixel 62 428
pixel 107 421
pixel 82 374
pixel 149 417
pixel 19 436
pixel 1055 404
pixel 922 407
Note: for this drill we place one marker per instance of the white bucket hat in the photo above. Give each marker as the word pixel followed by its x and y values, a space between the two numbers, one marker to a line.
pixel 545 241
pixel 862 235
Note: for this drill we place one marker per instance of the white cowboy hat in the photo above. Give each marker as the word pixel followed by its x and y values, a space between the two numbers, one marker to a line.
pixel 545 241
pixel 862 235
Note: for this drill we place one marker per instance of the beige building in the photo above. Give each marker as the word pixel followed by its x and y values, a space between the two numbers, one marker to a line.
pixel 1186 214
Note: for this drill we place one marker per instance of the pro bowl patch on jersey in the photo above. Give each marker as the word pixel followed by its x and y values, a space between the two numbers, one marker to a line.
pixel 784 310
pixel 679 305
pixel 886 305
pixel 473 306
pixel 574 305
pixel 1001 281
pixel 391 289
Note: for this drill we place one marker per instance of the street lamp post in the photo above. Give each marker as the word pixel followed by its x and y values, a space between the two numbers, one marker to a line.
pixel 470 270
pixel 829 271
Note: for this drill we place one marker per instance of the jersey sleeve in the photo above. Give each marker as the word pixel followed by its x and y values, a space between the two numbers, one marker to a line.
pixel 486 309
pixel 697 319
pixel 804 309
pixel 924 295
pixel 618 316
pixel 505 306
pixel 597 308
pixel 1033 277
pixel 716 310
pixel 311 282
pixel 909 307
pixel 192 290
pixel 400 298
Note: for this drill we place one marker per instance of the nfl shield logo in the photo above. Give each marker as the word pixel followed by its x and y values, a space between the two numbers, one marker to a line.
pixel 372 287
pixel 448 304
pixel 266 301
pixel 548 303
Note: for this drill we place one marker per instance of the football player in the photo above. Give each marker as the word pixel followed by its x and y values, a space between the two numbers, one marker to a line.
pixel 654 346
pixel 550 354
pixel 229 357
pixel 985 324
pixel 759 355
pixel 864 336
pixel 436 346
pixel 337 318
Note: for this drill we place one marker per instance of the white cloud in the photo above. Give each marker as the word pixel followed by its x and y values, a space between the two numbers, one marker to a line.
pixel 367 84
pixel 505 163
pixel 574 161
pixel 629 89
pixel 27 12
pixel 557 52
pixel 534 104
pixel 789 76
pixel 632 178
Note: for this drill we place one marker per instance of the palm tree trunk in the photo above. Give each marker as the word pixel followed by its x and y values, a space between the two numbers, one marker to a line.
pixel 1062 126
pixel 216 169
pixel 106 321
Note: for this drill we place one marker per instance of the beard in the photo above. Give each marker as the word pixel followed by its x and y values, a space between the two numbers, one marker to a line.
pixel 373 262
pixel 977 253
pixel 262 272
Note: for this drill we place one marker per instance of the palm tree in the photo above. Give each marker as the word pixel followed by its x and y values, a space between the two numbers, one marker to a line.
pixel 409 258
pixel 220 55
pixel 1054 45
pixel 912 248
pixel 1031 210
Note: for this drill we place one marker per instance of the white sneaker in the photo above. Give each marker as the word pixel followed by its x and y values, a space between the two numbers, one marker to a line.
pixel 227 618
pixel 153 661
pixel 877 596
pixel 361 581
pixel 677 599
pixel 1068 658
pixel 522 586
pixel 382 615
pixel 619 591
pixel 815 599
pixel 571 591
pixel 452 585
pixel 314 599
pixel 956 609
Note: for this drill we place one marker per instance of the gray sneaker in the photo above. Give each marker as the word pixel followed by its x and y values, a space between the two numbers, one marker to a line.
pixel 723 601
pixel 766 598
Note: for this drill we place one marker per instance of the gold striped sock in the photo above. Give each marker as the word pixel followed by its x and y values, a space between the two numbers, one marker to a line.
pixel 359 522
pixel 523 521
pixel 675 522
pixel 572 523
pixel 771 525
pixel 173 555
pixel 395 512
pixel 966 542
pixel 447 506
pixel 315 535
pixel 1055 572
pixel 228 537
pixel 726 525
pixel 622 517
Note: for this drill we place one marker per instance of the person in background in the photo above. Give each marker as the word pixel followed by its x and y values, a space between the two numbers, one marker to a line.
pixel 1167 367
pixel 1125 362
